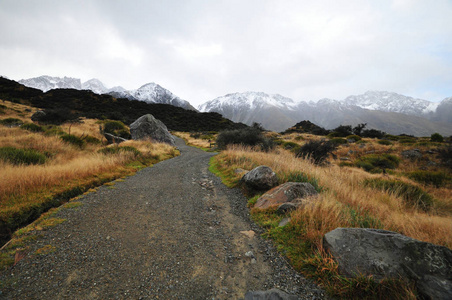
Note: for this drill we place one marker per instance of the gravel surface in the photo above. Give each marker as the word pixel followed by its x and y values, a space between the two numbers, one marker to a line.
pixel 172 231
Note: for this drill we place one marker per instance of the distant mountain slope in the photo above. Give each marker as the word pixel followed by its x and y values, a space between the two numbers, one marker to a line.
pixel 88 104
pixel 150 92
pixel 390 112
pixel 46 83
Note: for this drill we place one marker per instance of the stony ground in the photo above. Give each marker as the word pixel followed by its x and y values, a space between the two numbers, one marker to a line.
pixel 172 231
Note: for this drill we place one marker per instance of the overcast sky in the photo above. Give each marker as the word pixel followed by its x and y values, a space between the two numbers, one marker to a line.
pixel 199 50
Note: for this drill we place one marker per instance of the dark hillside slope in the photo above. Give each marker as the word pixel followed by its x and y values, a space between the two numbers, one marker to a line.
pixel 88 104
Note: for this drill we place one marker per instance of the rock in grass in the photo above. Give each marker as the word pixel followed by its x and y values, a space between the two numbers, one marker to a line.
pixel 382 253
pixel 289 192
pixel 149 127
pixel 261 178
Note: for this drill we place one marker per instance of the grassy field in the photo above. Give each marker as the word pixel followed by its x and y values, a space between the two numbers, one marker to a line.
pixel 413 198
pixel 44 166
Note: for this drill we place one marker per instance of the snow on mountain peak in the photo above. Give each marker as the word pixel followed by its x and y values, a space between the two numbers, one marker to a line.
pixel 391 102
pixel 95 85
pixel 249 100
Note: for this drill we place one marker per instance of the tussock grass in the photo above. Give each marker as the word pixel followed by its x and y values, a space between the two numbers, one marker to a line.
pixel 345 200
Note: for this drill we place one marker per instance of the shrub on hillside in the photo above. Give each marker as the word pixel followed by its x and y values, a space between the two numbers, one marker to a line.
pixel 247 136
pixel 437 179
pixel 445 155
pixel 116 128
pixel 385 142
pixel 338 141
pixel 412 195
pixel 436 137
pixel 317 151
pixel 342 131
pixel 373 133
pixel 11 122
pixel 57 116
pixel 375 163
pixel 73 140
pixel 353 137
pixel 32 127
pixel 22 156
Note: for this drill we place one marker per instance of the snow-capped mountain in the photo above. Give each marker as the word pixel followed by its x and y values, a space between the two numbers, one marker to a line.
pixel 392 102
pixel 150 92
pixel 385 111
pixel 95 85
pixel 46 83
pixel 248 107
pixel 154 93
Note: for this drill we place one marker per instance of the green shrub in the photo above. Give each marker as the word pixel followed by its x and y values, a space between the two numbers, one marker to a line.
pixel 437 179
pixel 338 141
pixel 290 145
pixel 247 136
pixel 436 137
pixel 53 130
pixel 353 137
pixel 116 150
pixel 73 140
pixel 11 122
pixel 299 138
pixel 302 177
pixel 32 127
pixel 412 195
pixel 117 128
pixel 375 163
pixel 22 156
pixel 407 140
pixel 91 140
pixel 317 151
pixel 385 142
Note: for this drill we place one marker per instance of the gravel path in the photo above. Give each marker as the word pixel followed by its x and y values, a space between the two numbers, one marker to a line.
pixel 172 231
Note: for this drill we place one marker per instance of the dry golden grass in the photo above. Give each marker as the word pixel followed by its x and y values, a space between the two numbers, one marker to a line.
pixel 345 201
pixel 202 143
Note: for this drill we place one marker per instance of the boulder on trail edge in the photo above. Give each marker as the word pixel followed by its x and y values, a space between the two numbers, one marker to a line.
pixel 147 127
pixel 382 253
pixel 261 178
pixel 293 192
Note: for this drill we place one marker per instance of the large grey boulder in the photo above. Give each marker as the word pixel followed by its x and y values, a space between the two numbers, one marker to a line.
pixel 289 192
pixel 147 127
pixel 261 178
pixel 38 116
pixel 382 253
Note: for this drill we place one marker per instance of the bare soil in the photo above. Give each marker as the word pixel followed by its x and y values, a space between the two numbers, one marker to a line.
pixel 172 231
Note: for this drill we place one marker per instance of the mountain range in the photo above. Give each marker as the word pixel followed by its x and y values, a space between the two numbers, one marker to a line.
pixel 386 111
pixel 389 112
pixel 150 92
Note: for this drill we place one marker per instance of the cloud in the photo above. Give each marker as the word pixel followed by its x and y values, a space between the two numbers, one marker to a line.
pixel 199 49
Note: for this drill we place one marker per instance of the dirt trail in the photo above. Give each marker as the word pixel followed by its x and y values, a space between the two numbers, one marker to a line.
pixel 172 231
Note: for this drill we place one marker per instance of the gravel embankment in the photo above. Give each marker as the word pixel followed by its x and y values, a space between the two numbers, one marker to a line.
pixel 172 231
